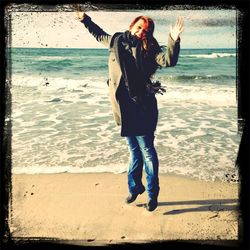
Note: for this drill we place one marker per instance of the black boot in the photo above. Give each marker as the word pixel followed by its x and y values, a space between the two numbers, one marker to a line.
pixel 132 197
pixel 152 205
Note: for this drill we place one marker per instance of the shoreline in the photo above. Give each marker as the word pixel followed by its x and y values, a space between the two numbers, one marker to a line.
pixel 90 207
pixel 231 178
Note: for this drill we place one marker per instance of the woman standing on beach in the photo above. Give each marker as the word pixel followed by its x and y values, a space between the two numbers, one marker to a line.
pixel 134 57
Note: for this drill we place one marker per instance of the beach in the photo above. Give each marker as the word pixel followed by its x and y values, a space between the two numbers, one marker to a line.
pixel 68 160
pixel 91 208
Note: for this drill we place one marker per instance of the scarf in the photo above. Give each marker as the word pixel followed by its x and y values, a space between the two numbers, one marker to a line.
pixel 133 70
pixel 136 72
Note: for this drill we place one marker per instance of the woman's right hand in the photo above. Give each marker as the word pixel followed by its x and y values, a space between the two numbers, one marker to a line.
pixel 80 15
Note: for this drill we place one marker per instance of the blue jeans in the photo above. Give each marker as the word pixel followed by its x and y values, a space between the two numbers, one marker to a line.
pixel 143 153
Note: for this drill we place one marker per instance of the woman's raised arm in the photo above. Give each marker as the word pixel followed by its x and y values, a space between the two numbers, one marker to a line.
pixel 100 35
pixel 170 57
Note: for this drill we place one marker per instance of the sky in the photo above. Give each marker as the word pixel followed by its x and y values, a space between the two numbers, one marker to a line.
pixel 213 28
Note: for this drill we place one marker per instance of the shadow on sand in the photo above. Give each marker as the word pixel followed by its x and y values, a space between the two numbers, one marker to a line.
pixel 215 205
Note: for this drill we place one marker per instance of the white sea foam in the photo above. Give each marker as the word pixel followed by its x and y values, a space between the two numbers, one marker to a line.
pixel 207 94
pixel 58 82
pixel 39 169
pixel 54 58
pixel 67 126
pixel 79 90
pixel 212 55
pixel 63 58
pixel 188 171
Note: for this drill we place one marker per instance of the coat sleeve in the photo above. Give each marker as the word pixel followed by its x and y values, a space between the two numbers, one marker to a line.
pixel 170 57
pixel 100 35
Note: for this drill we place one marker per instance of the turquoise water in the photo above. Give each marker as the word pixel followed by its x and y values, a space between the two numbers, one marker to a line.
pixel 62 120
pixel 198 64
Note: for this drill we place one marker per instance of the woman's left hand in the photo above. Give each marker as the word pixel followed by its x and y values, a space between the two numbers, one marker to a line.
pixel 177 29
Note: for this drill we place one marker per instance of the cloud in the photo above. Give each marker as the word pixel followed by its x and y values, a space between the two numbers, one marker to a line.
pixel 219 22
pixel 60 29
pixel 205 18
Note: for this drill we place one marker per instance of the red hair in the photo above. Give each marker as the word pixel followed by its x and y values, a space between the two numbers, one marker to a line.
pixel 151 26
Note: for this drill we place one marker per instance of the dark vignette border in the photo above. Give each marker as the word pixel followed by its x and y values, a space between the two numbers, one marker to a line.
pixel 243 20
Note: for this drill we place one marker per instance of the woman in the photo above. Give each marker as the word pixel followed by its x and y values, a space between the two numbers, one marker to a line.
pixel 134 57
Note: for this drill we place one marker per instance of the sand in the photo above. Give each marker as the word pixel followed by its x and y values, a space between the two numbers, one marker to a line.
pixel 90 209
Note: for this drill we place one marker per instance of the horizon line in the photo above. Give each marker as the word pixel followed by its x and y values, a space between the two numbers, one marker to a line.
pixel 10 47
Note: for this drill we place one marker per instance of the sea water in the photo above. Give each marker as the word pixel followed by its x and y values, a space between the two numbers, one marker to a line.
pixel 62 120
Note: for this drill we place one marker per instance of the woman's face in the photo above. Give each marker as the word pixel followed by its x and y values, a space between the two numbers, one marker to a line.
pixel 139 29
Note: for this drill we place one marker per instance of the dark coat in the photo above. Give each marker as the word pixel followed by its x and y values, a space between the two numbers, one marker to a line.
pixel 134 118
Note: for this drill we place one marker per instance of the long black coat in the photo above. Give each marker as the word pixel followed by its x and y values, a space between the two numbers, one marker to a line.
pixel 134 118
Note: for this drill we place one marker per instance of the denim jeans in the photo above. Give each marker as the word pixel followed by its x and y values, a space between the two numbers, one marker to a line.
pixel 143 154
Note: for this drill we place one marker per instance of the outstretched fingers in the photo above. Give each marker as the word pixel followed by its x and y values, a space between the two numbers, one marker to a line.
pixel 79 15
pixel 180 24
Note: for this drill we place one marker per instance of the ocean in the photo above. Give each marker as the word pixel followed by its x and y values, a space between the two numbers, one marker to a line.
pixel 62 120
